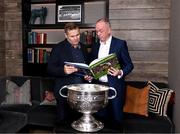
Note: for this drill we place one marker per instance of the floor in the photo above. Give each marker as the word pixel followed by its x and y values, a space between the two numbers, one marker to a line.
pixel 34 131
pixel 37 130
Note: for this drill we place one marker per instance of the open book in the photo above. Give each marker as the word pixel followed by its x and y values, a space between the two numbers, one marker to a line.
pixel 97 67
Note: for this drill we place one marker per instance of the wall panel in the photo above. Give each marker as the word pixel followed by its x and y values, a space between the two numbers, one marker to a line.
pixel 145 24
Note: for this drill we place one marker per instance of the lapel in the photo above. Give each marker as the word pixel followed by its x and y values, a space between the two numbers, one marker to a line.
pixel 112 46
pixel 111 50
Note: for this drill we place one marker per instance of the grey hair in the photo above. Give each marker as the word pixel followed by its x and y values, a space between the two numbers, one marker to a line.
pixel 106 20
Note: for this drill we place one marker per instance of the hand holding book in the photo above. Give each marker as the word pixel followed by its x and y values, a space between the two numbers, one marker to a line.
pixel 70 69
pixel 115 72
pixel 88 78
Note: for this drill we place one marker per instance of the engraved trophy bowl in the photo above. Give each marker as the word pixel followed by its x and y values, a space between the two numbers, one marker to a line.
pixel 87 99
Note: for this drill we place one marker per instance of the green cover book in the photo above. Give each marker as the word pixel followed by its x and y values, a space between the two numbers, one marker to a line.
pixel 97 67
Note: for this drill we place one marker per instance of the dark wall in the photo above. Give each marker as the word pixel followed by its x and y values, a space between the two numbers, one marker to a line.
pixel 174 59
pixel 2 39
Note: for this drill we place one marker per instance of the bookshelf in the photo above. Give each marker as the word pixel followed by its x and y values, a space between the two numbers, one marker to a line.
pixel 41 33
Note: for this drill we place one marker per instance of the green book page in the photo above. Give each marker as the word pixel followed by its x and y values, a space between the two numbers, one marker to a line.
pixel 99 67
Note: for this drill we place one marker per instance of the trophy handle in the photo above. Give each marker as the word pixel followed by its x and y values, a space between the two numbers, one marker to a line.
pixel 65 96
pixel 115 93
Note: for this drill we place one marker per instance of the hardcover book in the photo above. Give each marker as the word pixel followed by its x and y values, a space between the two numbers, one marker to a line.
pixel 97 67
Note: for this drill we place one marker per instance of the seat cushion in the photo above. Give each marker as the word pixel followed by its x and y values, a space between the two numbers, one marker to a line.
pixel 23 108
pixel 151 124
pixel 12 122
pixel 42 115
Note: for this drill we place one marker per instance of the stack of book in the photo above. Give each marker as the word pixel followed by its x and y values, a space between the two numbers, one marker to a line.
pixel 38 55
pixel 88 37
pixel 37 38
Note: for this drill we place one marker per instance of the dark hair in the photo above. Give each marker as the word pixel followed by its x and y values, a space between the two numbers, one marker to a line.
pixel 70 26
pixel 106 20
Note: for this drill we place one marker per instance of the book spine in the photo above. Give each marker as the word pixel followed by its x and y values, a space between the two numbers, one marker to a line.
pixel 29 55
pixel 34 37
pixel 44 56
pixel 89 38
pixel 40 55
pixel 38 38
pixel 29 37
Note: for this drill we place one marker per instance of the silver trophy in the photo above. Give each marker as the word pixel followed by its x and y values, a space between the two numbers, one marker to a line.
pixel 87 99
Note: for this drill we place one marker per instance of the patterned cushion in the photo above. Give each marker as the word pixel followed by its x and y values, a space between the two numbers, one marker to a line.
pixel 16 94
pixel 49 99
pixel 158 99
pixel 47 102
pixel 136 100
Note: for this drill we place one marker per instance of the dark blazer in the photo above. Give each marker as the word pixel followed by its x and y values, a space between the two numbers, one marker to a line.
pixel 59 54
pixel 119 47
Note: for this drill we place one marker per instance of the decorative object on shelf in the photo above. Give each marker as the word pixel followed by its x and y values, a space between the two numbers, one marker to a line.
pixel 69 13
pixel 41 13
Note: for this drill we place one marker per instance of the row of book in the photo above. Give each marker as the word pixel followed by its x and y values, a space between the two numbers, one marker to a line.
pixel 88 37
pixel 38 55
pixel 37 38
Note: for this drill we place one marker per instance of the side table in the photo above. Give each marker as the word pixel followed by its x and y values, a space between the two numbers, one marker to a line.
pixel 66 128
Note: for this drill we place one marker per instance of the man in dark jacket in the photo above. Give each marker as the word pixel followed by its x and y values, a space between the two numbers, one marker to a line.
pixel 108 44
pixel 69 50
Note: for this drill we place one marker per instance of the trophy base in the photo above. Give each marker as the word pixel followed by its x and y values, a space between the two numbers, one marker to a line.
pixel 87 123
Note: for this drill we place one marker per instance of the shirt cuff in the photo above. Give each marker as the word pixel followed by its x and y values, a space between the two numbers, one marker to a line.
pixel 120 75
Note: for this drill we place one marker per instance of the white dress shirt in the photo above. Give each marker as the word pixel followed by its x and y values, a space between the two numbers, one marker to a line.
pixel 104 51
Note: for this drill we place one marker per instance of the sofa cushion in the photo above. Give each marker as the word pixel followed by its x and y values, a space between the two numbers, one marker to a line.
pixel 17 94
pixel 49 98
pixel 134 123
pixel 136 100
pixel 22 108
pixel 158 99
pixel 42 115
pixel 47 102
pixel 12 122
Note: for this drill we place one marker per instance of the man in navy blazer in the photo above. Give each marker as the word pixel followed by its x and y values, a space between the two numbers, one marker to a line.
pixel 116 78
pixel 69 50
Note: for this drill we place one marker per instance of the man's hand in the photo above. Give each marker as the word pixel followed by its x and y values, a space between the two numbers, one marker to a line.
pixel 88 78
pixel 69 69
pixel 114 72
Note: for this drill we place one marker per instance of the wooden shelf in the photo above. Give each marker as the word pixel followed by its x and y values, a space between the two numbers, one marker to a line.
pixel 42 1
pixel 56 26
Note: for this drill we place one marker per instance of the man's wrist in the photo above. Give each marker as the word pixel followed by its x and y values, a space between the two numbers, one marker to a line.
pixel 120 74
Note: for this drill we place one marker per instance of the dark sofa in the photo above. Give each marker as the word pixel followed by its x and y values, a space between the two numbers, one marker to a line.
pixel 153 123
pixel 45 115
pixel 35 114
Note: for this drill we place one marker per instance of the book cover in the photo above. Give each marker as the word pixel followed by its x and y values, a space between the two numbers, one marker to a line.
pixel 97 67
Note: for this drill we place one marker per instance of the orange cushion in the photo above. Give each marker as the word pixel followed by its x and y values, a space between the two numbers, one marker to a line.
pixel 136 100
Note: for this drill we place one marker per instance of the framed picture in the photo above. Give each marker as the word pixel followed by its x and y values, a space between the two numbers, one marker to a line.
pixel 69 13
